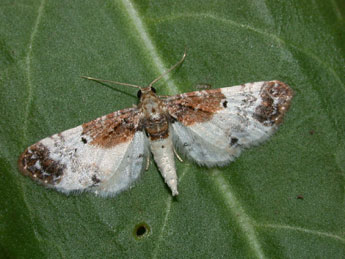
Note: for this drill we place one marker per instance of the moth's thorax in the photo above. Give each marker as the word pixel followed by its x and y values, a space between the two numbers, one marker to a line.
pixel 151 105
pixel 155 116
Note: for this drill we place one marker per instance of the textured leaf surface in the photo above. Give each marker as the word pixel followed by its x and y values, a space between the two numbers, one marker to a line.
pixel 284 198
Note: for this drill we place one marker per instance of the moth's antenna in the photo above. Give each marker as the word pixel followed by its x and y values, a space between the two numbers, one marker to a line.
pixel 109 81
pixel 137 86
pixel 170 69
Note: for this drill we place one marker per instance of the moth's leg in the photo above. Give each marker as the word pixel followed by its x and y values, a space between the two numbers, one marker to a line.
pixel 147 163
pixel 177 155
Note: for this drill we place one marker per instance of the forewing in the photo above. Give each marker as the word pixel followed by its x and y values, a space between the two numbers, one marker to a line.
pixel 213 126
pixel 103 156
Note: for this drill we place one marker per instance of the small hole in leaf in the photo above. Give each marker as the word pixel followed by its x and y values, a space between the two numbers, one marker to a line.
pixel 141 230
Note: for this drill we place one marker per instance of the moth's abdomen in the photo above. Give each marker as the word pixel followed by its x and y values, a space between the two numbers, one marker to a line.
pixel 163 154
pixel 157 129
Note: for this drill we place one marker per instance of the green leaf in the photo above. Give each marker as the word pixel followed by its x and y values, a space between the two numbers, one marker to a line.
pixel 284 198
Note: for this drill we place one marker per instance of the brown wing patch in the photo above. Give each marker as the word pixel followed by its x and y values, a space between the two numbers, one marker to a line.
pixel 276 98
pixel 35 163
pixel 112 129
pixel 195 107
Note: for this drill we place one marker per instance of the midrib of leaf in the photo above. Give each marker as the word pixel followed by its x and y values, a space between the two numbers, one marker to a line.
pixel 223 186
pixel 234 206
pixel 148 44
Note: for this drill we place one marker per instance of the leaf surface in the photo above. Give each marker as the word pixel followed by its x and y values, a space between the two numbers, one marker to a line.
pixel 284 198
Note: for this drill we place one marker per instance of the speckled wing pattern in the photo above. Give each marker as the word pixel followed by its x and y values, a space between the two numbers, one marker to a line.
pixel 213 126
pixel 104 156
pixel 107 155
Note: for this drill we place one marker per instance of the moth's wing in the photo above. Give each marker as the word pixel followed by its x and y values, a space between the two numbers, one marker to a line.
pixel 213 126
pixel 104 156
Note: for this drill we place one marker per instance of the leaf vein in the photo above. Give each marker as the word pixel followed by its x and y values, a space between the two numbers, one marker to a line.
pixel 28 60
pixel 305 230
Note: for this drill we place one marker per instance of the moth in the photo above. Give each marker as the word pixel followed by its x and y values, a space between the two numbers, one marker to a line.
pixel 210 127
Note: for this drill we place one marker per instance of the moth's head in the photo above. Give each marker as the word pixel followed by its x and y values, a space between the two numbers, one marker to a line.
pixel 149 90
pixel 146 91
